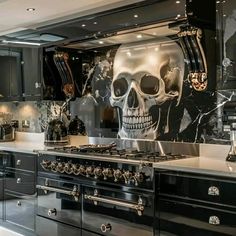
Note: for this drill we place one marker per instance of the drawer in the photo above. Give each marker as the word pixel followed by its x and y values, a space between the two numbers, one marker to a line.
pixel 200 188
pixel 53 228
pixel 22 161
pixel 87 233
pixel 108 212
pixel 20 211
pixel 58 203
pixel 186 219
pixel 21 182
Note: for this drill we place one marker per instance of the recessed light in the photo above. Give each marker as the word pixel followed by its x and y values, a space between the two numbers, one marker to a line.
pixel 217 2
pixel 83 25
pixel 95 22
pixel 128 54
pixel 30 9
pixel 224 15
pixel 139 36
pixel 101 42
pixel 177 2
pixel 135 16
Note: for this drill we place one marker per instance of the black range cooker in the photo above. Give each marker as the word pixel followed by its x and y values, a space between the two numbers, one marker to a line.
pixel 96 190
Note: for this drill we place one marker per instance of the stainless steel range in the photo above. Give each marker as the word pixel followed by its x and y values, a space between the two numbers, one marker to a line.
pixel 100 189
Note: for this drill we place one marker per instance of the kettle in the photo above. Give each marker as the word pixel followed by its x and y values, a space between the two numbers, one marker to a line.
pixel 56 133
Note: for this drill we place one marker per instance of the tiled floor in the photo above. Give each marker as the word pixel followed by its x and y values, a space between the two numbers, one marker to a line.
pixel 6 232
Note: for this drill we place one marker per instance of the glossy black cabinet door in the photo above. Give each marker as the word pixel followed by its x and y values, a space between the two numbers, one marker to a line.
pixel 20 210
pixel 45 227
pixel 110 216
pixel 11 74
pixel 31 73
pixel 182 219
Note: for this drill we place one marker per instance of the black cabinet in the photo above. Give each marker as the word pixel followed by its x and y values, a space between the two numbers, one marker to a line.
pixel 11 74
pixel 31 73
pixel 19 189
pixel 192 204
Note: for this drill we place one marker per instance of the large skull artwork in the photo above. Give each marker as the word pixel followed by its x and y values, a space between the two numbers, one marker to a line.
pixel 146 75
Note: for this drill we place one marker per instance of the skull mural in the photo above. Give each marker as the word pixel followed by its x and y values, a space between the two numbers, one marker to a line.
pixel 147 74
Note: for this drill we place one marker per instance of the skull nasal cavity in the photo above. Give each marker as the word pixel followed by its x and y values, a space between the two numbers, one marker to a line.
pixel 132 99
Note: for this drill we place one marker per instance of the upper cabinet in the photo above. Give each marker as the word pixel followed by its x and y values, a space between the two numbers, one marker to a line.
pixel 11 75
pixel 226 25
pixel 31 66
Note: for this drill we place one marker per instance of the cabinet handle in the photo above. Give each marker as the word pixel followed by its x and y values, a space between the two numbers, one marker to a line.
pixel 18 162
pixel 52 212
pixel 105 227
pixel 18 203
pixel 18 181
pixel 214 220
pixel 213 191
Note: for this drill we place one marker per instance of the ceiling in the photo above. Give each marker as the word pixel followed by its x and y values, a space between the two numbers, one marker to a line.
pixel 15 17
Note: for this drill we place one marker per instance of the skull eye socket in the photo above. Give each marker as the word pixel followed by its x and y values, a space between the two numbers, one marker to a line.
pixel 149 84
pixel 120 87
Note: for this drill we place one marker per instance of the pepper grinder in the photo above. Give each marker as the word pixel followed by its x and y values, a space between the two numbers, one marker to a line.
pixel 232 153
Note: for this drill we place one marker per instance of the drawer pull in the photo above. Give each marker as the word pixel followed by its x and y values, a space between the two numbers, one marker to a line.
pixel 18 162
pixel 105 227
pixel 75 193
pixel 18 180
pixel 52 212
pixel 214 220
pixel 139 207
pixel 213 191
pixel 18 203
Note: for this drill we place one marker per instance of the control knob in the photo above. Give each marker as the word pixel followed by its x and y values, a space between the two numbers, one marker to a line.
pixel 68 168
pixel 75 168
pixel 60 167
pixel 107 173
pixel 97 172
pixel 46 165
pixel 117 175
pixel 138 178
pixel 89 171
pixel 54 166
pixel 127 176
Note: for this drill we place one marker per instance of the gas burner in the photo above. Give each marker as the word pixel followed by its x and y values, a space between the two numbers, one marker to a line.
pixel 113 152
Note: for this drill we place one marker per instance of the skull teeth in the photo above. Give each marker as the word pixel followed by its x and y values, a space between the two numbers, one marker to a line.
pixel 140 122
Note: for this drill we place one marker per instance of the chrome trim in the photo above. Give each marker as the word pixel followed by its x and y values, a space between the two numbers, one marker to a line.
pixel 213 191
pixel 75 193
pixel 138 207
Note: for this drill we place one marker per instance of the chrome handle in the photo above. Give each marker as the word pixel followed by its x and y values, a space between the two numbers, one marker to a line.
pixel 52 212
pixel 18 162
pixel 105 227
pixel 213 191
pixel 214 220
pixel 18 180
pixel 18 203
pixel 138 207
pixel 75 193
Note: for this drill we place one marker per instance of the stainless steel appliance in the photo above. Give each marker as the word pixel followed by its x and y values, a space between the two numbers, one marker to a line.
pixel 7 133
pixel 99 188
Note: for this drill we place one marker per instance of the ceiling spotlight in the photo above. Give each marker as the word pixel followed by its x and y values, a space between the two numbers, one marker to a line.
pixel 95 22
pixel 177 2
pixel 139 36
pixel 128 54
pixel 135 16
pixel 30 9
pixel 217 2
pixel 83 25
pixel 101 42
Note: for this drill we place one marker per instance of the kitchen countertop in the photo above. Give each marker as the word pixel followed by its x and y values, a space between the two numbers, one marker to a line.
pixel 211 159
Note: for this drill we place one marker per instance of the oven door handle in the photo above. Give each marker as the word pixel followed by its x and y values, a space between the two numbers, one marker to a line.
pixel 75 193
pixel 139 207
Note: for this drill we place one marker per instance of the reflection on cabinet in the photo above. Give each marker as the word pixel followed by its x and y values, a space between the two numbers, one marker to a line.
pixel 19 189
pixel 31 73
pixel 10 76
pixel 191 204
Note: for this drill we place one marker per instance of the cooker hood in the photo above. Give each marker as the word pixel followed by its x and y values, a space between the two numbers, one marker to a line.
pixel 167 15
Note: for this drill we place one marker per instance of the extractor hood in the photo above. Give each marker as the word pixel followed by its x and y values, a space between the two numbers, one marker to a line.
pixel 168 13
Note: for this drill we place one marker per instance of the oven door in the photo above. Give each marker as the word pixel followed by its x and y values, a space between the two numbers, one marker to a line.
pixel 59 200
pixel 112 212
